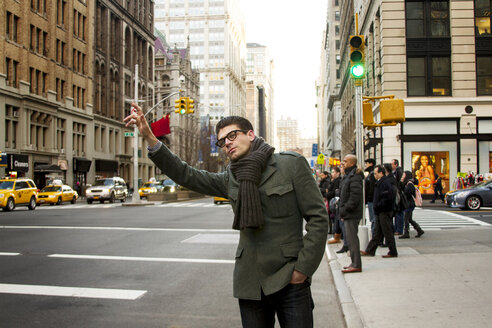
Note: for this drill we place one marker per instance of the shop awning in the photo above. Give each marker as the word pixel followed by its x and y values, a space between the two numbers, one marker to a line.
pixel 81 164
pixel 46 168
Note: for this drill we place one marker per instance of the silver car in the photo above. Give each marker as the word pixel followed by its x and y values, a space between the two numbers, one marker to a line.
pixel 471 198
pixel 107 189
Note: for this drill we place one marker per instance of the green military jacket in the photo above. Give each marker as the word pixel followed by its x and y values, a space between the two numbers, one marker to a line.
pixel 266 257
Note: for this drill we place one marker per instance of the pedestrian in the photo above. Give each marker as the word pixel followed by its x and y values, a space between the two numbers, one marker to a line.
pixel 397 172
pixel 409 194
pixel 438 187
pixel 351 207
pixel 323 188
pixel 369 184
pixel 332 199
pixel 270 195
pixel 384 200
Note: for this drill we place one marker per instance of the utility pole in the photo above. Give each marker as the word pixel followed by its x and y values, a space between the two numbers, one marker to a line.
pixel 135 196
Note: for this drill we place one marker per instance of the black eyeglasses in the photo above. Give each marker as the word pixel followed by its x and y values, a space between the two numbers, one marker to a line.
pixel 231 136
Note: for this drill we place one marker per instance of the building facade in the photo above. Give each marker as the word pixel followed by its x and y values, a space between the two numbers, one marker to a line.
pixel 46 85
pixel 437 56
pixel 217 42
pixel 260 91
pixel 173 72
pixel 287 134
pixel 65 86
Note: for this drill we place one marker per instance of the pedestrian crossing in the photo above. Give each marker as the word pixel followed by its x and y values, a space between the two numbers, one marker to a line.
pixel 207 204
pixel 440 220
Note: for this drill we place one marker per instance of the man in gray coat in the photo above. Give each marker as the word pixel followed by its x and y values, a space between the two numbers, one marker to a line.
pixel 270 195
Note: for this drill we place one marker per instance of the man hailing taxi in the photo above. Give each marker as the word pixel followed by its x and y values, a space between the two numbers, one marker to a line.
pixel 270 194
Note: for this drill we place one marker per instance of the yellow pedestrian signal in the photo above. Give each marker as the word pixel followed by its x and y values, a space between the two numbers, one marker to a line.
pixel 392 111
pixel 367 117
pixel 177 103
pixel 357 57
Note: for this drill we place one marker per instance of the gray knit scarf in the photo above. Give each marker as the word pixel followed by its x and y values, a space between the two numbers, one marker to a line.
pixel 248 171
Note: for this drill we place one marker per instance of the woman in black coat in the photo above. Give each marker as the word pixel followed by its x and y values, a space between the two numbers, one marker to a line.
pixel 409 193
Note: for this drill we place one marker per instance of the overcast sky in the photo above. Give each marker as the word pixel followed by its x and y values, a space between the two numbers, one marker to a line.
pixel 292 31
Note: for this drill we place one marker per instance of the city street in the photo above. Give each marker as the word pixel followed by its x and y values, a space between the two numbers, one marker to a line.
pixel 108 265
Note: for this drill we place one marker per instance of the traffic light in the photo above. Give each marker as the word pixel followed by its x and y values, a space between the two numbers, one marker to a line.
pixel 357 66
pixel 367 117
pixel 180 105
pixel 190 106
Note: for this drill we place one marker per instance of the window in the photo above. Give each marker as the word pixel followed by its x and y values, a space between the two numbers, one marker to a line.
pixel 11 27
pixel 427 19
pixel 11 67
pixel 482 17
pixel 484 75
pixel 429 76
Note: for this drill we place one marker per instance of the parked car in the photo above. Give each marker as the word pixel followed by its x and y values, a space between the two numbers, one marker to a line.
pixel 471 198
pixel 107 189
pixel 170 185
pixel 21 191
pixel 220 200
pixel 147 188
pixel 56 194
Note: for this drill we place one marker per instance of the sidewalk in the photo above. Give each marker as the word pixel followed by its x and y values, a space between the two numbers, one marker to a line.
pixel 440 280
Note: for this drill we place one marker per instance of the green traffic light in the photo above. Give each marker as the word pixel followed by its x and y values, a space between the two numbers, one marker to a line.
pixel 357 71
pixel 182 111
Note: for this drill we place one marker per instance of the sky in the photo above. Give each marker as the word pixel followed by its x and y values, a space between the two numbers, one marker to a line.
pixel 292 31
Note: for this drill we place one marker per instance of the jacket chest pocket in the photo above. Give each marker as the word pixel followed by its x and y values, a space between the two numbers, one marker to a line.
pixel 280 200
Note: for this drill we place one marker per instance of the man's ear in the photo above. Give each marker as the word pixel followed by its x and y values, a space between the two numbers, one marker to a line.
pixel 251 135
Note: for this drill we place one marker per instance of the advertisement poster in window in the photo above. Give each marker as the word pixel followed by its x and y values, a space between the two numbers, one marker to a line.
pixel 490 162
pixel 425 168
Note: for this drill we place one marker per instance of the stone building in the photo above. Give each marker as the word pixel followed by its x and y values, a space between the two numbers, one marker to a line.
pixel 69 70
pixel 173 72
pixel 437 56
pixel 46 87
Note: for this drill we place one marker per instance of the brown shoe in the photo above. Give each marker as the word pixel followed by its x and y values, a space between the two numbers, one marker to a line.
pixel 364 253
pixel 387 256
pixel 351 270
pixel 336 239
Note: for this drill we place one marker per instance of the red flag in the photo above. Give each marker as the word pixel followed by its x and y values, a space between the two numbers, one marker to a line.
pixel 161 127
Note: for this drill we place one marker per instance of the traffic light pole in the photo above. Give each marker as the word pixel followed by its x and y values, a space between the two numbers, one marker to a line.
pixel 135 196
pixel 359 134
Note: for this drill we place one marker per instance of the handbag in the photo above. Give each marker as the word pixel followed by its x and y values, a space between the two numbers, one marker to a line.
pixel 333 204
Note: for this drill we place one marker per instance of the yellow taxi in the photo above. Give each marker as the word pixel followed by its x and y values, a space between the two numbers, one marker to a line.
pixel 220 200
pixel 57 194
pixel 14 192
pixel 147 188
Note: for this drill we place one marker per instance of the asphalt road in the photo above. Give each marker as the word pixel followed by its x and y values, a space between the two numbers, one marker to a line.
pixel 114 266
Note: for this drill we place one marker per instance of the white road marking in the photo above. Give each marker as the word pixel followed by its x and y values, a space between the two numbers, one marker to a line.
pixel 143 259
pixel 8 254
pixel 118 228
pixel 120 294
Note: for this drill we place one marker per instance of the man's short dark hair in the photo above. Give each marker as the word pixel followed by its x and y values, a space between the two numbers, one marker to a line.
pixel 370 161
pixel 388 168
pixel 241 122
pixel 396 162
pixel 326 173
pixel 380 168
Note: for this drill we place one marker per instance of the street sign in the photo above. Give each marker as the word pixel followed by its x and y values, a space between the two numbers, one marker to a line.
pixel 315 150
pixel 129 134
pixel 321 159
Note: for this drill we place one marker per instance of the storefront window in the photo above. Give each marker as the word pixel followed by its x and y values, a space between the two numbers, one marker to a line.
pixel 482 17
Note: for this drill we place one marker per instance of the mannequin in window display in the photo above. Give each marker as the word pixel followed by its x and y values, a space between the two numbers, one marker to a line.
pixel 425 175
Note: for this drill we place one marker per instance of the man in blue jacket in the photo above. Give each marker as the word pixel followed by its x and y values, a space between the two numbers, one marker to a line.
pixel 384 201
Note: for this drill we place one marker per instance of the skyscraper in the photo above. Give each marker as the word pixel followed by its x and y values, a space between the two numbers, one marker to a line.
pixel 216 36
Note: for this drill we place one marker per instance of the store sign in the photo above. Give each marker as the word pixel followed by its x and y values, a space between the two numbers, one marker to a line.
pixel 18 163
pixel 3 160
pixel 63 164
pixel 425 166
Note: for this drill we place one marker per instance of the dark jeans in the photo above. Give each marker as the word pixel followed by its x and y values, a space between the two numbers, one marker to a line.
pixel 437 194
pixel 384 227
pixel 372 216
pixel 293 305
pixel 409 220
pixel 352 229
pixel 398 227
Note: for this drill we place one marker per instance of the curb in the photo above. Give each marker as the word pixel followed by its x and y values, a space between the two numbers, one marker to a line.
pixel 350 311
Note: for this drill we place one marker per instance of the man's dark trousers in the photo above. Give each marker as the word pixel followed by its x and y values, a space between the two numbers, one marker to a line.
pixel 384 227
pixel 293 305
pixel 351 229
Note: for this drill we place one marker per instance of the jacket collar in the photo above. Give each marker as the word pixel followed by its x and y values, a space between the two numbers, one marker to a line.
pixel 270 169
